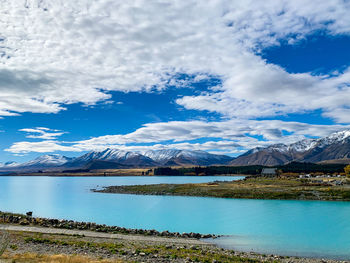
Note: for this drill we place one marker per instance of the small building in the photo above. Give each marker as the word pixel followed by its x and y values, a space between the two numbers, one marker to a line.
pixel 269 172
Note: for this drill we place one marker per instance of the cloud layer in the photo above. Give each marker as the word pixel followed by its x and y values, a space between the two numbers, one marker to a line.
pixel 232 136
pixel 54 53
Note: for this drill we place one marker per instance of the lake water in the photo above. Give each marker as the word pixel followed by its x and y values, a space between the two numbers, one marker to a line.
pixel 303 228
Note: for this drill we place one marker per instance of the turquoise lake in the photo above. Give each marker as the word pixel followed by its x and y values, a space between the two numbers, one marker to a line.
pixel 302 228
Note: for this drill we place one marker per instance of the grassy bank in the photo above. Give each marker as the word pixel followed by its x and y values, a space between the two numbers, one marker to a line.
pixel 251 188
pixel 37 247
pixel 63 248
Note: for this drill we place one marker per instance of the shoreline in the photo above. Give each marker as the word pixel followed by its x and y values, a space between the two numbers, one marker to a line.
pixel 113 175
pixel 36 226
pixel 7 218
pixel 45 242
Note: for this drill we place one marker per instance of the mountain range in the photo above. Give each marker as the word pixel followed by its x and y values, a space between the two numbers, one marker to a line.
pixel 115 159
pixel 331 148
pixel 334 148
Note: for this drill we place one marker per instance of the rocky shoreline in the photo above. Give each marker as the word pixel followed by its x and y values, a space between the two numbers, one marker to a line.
pixel 27 245
pixel 26 220
pixel 146 247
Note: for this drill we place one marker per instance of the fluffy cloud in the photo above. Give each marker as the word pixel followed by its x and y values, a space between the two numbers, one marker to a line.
pixel 342 115
pixel 42 133
pixel 54 53
pixel 40 147
pixel 240 131
pixel 267 90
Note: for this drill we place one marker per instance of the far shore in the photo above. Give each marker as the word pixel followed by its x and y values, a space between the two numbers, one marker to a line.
pixel 106 174
pixel 249 188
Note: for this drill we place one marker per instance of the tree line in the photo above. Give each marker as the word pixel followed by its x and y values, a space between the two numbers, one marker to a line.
pixel 293 167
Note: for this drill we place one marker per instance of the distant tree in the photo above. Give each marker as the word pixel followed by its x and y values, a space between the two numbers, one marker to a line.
pixel 347 170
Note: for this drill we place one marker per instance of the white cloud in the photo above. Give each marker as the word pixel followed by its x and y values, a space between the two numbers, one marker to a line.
pixel 57 52
pixel 40 147
pixel 179 131
pixel 268 90
pixel 54 53
pixel 341 115
pixel 42 133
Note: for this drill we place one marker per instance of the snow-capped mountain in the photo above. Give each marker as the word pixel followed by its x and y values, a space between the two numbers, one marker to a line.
pixel 186 157
pixel 42 162
pixel 162 155
pixel 108 155
pixel 112 158
pixel 333 147
pixel 119 158
pixel 8 164
pixel 46 161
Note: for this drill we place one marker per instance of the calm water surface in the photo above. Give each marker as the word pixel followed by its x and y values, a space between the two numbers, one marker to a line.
pixel 303 228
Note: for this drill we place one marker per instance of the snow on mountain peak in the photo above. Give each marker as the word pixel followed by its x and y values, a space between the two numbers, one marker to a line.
pixel 11 164
pixel 111 154
pixel 108 155
pixel 8 164
pixel 339 136
pixel 49 159
pixel 336 137
pixel 161 155
pixel 306 144
pixel 303 145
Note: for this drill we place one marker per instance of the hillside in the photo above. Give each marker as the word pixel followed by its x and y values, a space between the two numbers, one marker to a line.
pixel 334 147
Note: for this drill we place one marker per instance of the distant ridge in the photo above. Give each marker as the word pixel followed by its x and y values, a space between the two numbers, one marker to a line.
pixel 328 150
pixel 117 159
pixel 331 149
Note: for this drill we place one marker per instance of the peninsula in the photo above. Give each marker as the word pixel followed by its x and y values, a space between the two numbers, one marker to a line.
pixel 249 188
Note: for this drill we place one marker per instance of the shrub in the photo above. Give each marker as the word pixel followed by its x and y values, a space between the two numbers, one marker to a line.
pixel 347 170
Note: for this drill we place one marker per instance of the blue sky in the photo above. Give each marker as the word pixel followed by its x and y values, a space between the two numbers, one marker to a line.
pixel 231 76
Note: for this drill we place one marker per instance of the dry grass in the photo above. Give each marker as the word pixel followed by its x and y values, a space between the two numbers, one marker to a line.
pixel 38 258
pixel 252 188
pixel 4 241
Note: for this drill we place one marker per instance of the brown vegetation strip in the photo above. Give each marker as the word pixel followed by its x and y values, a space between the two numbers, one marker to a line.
pixel 250 188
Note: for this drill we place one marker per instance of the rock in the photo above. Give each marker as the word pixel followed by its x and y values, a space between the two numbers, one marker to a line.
pixel 69 224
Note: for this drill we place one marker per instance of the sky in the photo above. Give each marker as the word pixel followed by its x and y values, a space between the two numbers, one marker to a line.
pixel 222 76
